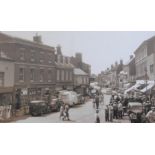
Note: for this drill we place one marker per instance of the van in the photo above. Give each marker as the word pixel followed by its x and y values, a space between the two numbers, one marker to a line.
pixel 68 97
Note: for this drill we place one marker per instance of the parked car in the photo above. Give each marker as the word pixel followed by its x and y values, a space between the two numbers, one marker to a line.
pixel 38 107
pixel 135 111
pixel 68 97
pixel 55 104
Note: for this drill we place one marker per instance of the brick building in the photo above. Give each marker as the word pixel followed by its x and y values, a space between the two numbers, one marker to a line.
pixel 81 81
pixel 34 64
pixel 77 61
pixel 64 71
pixel 145 60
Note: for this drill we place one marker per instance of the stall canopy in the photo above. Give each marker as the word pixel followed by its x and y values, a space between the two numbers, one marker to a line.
pixel 135 87
pixel 148 87
pixel 141 86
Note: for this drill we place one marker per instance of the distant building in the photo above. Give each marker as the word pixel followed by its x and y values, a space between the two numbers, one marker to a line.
pixel 64 71
pixel 81 81
pixel 145 60
pixel 130 68
pixel 77 61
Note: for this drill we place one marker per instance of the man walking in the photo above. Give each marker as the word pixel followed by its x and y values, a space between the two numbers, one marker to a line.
pixel 97 101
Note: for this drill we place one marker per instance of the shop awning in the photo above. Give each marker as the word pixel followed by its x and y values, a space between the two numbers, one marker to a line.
pixel 148 87
pixel 134 87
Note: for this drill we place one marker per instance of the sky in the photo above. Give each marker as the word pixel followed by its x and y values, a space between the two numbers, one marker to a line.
pixel 100 49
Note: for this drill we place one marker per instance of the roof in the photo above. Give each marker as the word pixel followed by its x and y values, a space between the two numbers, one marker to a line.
pixel 145 42
pixel 129 61
pixel 25 41
pixel 78 71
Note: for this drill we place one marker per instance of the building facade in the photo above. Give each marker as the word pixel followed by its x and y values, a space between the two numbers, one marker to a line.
pixel 77 61
pixel 6 80
pixel 145 60
pixel 34 65
pixel 81 81
pixel 64 71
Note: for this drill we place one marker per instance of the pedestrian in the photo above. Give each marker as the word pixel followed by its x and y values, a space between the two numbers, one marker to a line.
pixel 151 115
pixel 97 120
pixel 62 107
pixel 66 112
pixel 97 101
pixel 107 114
pixel 110 109
pixel 115 111
pixel 120 110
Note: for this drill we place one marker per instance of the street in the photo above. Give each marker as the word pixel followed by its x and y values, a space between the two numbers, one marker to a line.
pixel 79 114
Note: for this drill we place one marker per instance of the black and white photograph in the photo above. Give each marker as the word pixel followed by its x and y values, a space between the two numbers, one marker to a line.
pixel 79 78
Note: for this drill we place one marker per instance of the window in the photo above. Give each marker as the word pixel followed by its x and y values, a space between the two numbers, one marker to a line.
pixel 22 54
pixel 41 57
pixel 49 75
pixel 1 79
pixel 66 75
pixel 32 74
pixel 41 75
pixel 32 55
pixel 58 75
pixel 151 68
pixel 62 75
pixel 49 58
pixel 70 76
pixel 21 74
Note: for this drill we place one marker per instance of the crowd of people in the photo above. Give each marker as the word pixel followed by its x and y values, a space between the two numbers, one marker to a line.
pixel 64 111
pixel 114 110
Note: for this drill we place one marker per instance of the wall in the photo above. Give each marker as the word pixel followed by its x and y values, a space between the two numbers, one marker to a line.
pixel 8 69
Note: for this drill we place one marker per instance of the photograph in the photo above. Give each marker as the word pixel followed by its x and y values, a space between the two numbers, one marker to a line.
pixel 77 76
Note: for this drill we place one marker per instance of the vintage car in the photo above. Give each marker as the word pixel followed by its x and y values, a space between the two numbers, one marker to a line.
pixel 38 107
pixel 55 104
pixel 68 97
pixel 135 112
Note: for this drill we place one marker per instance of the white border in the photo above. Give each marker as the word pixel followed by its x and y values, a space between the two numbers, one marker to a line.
pixel 81 15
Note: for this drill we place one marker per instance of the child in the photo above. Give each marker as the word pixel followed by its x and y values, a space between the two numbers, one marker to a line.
pixel 97 116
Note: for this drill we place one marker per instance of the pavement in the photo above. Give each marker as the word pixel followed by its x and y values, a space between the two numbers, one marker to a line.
pixel 85 113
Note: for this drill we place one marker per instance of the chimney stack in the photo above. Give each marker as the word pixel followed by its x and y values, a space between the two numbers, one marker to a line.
pixel 58 49
pixel 37 39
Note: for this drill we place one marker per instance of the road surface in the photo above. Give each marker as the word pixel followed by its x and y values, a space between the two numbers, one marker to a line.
pixel 79 114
